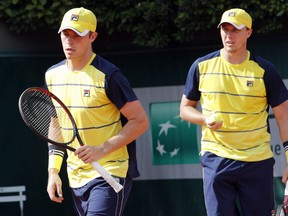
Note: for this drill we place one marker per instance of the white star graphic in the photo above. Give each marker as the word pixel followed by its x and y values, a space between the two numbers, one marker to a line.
pixel 160 148
pixel 178 117
pixel 174 152
pixel 165 127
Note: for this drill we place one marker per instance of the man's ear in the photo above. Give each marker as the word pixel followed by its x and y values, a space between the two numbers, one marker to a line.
pixel 249 33
pixel 93 36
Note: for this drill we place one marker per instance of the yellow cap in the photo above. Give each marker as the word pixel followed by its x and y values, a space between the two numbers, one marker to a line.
pixel 237 17
pixel 79 20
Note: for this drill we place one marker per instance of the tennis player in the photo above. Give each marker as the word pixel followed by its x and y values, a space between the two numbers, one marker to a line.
pixel 236 89
pixel 108 115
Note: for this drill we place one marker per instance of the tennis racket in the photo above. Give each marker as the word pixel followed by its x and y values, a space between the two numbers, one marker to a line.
pixel 282 210
pixel 48 117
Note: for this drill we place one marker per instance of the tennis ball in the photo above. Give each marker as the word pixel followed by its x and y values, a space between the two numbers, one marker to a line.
pixel 217 118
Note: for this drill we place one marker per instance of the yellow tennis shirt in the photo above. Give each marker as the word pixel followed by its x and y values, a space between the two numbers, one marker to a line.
pixel 241 94
pixel 97 119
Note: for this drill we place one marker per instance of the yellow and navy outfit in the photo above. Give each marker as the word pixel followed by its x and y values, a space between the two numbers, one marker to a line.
pixel 94 96
pixel 241 94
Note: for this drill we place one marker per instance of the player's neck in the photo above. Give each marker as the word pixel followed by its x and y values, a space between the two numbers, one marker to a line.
pixel 236 57
pixel 78 63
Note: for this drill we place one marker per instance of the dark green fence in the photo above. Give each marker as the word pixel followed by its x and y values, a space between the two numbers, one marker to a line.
pixel 23 157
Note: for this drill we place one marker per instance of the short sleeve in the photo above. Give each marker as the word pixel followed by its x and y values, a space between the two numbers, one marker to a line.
pixel 275 88
pixel 191 89
pixel 119 90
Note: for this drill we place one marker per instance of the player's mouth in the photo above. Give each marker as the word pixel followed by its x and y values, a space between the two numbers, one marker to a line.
pixel 229 42
pixel 69 50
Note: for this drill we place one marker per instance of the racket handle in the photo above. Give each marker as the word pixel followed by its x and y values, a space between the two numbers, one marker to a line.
pixel 107 176
pixel 286 189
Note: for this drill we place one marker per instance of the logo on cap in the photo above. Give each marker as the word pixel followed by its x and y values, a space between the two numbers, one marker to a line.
pixel 74 17
pixel 231 14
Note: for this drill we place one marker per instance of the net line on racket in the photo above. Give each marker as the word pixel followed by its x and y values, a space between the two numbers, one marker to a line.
pixel 280 210
pixel 46 115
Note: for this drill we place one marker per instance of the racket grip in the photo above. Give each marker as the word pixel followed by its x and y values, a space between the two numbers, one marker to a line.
pixel 286 189
pixel 107 176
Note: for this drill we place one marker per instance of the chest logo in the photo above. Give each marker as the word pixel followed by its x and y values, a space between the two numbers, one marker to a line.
pixel 249 83
pixel 86 93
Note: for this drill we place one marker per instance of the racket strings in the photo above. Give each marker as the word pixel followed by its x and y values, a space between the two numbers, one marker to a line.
pixel 47 117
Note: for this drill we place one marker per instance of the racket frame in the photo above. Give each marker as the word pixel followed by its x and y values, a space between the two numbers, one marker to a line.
pixel 280 210
pixel 75 133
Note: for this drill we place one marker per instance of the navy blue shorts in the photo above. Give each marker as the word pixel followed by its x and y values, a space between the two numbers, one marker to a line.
pixel 226 180
pixel 99 198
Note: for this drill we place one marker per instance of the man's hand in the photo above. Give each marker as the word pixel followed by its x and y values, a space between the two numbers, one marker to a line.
pixel 213 121
pixel 89 154
pixel 285 175
pixel 54 187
